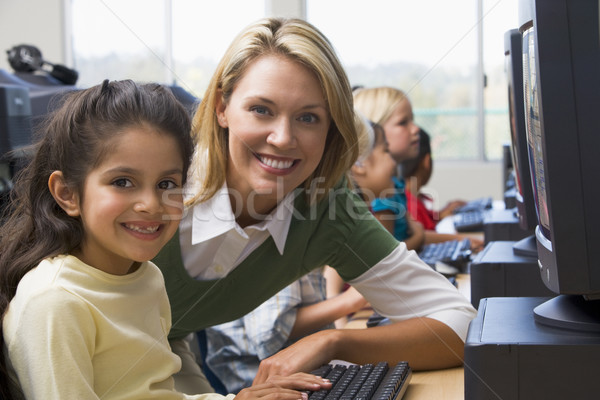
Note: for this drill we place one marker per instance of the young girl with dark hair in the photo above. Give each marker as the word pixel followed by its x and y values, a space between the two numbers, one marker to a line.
pixel 85 315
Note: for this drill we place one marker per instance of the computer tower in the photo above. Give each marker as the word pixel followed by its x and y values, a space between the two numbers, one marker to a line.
pixel 15 118
pixel 498 272
pixel 503 225
pixel 508 355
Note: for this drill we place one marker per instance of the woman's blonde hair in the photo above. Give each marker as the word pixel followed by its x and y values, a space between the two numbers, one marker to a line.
pixel 301 42
pixel 378 104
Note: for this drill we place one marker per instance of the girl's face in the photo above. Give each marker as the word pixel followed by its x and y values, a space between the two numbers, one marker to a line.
pixel 401 132
pixel 131 202
pixel 378 168
pixel 278 121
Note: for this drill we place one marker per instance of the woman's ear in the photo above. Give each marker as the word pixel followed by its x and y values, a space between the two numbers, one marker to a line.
pixel 64 195
pixel 220 110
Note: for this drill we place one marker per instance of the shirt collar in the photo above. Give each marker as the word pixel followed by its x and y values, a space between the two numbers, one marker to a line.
pixel 215 217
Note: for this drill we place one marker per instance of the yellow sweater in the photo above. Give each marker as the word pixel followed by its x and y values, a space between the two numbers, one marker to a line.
pixel 75 332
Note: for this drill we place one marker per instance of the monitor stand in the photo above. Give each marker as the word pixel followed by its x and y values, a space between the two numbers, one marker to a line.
pixel 526 247
pixel 498 272
pixel 570 312
pixel 508 355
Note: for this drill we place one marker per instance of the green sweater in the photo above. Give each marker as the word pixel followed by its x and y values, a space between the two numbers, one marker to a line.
pixel 339 231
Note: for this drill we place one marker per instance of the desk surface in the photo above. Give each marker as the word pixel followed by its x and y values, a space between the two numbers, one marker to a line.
pixel 445 384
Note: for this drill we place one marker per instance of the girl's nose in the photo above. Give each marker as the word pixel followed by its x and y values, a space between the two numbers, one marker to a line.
pixel 414 129
pixel 149 202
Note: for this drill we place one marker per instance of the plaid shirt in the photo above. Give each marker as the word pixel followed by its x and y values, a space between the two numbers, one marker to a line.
pixel 235 349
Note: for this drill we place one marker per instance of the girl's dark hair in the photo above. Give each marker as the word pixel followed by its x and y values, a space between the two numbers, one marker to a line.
pixel 409 167
pixel 74 140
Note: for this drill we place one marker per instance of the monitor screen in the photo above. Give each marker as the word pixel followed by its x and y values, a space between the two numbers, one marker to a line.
pixel 525 202
pixel 561 85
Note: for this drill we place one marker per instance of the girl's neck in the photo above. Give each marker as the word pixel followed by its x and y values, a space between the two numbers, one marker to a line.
pixel 109 268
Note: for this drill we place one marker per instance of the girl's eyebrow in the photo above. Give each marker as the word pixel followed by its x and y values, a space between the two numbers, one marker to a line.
pixel 133 171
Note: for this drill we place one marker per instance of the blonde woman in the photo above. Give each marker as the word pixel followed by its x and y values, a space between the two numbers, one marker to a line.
pixel 271 201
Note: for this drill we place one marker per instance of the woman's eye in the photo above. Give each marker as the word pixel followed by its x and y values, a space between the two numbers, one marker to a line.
pixel 309 118
pixel 122 182
pixel 260 110
pixel 166 185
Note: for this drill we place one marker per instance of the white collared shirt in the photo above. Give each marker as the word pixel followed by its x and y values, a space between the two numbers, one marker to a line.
pixel 213 243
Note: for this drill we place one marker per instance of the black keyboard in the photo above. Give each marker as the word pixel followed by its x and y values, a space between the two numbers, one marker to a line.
pixel 481 204
pixel 471 221
pixel 363 382
pixel 452 253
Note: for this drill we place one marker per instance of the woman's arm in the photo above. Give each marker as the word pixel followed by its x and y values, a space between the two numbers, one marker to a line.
pixel 430 317
pixel 424 342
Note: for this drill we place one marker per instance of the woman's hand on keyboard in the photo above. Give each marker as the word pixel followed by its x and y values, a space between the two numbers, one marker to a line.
pixel 285 387
pixel 307 354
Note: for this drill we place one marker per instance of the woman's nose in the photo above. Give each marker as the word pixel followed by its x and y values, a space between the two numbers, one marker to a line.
pixel 282 134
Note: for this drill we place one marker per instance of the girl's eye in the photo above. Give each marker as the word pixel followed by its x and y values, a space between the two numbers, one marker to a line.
pixel 166 185
pixel 122 182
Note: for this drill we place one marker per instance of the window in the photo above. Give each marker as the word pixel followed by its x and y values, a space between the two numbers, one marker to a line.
pixel 427 48
pixel 118 39
pixel 202 30
pixel 499 16
pixel 169 41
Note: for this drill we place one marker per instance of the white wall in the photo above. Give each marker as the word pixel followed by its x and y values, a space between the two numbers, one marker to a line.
pixel 465 180
pixel 36 22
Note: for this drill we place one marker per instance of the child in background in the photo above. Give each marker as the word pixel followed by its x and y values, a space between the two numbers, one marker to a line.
pixel 85 315
pixel 373 173
pixel 391 109
pixel 417 172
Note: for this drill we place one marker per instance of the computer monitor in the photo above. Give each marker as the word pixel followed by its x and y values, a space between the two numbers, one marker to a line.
pixel 561 72
pixel 524 199
pixel 15 120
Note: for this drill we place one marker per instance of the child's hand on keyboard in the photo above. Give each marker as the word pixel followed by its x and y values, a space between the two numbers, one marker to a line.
pixel 476 244
pixel 285 387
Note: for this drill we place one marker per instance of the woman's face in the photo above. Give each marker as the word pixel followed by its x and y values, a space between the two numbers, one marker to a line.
pixel 278 121
pixel 401 132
